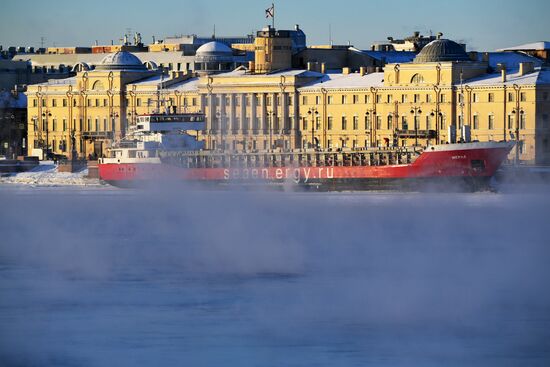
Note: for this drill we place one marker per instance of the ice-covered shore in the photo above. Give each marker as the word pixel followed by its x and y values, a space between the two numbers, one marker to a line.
pixel 46 174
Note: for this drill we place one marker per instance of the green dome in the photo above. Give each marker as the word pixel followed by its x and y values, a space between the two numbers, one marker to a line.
pixel 442 50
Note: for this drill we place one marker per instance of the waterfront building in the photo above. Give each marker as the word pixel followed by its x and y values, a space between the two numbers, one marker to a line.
pixel 444 95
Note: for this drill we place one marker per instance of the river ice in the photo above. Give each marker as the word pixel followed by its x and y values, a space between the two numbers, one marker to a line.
pixel 97 276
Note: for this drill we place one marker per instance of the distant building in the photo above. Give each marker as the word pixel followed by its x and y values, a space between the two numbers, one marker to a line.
pixel 540 50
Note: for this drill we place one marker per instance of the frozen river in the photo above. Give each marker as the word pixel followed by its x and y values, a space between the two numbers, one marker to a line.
pixel 106 277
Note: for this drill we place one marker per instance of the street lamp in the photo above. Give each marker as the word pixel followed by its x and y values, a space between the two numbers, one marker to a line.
pixel 519 115
pixel 371 116
pixel 438 115
pixel 313 113
pixel 45 115
pixel 415 111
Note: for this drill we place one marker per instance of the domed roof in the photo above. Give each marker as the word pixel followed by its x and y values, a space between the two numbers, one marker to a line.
pixel 214 52
pixel 120 60
pixel 442 50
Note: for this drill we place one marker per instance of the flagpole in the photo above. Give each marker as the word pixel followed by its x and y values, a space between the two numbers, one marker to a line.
pixel 273 17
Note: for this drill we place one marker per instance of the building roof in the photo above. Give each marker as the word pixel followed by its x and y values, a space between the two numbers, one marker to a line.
pixel 510 59
pixel 542 45
pixel 442 50
pixel 538 77
pixel 8 100
pixel 391 57
pixel 346 81
pixel 120 60
pixel 214 52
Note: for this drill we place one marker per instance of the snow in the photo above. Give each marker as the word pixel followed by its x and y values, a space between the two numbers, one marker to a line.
pixel 7 100
pixel 539 76
pixel 510 59
pixel 391 57
pixel 347 81
pixel 542 45
pixel 46 174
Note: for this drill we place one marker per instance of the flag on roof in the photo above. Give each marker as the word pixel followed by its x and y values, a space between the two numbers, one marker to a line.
pixel 270 12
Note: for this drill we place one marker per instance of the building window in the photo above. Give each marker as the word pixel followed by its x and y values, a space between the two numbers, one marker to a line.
pixel 97 102
pixel 105 128
pixel 89 124
pixel 403 98
pixel 330 99
pixel 344 123
pixel 344 99
pixel 476 122
pixel 54 102
pixel 354 144
pixel 523 97
pixel 416 98
pixel 443 122
pixel 304 123
pixel 138 102
pixel 461 98
pixel 355 99
pixel 64 102
pixel 64 125
pixel 54 125
pixel 510 97
pixel 329 123
pixel 304 99
pixel 367 98
pixel 428 122
pixel 460 121
pixel 89 102
pixel 390 122
pixel 510 121
pixel 318 123
pixel 378 122
pixel 428 98
pixel 417 79
pixel 389 98
pixel 43 103
pixel 491 122
pixel 367 122
pixel 96 124
pixel 355 122
pixel 404 123
pixel 35 103
pixel 74 102
pixel 475 97
pixel 378 98
pixel 491 97
pixel 522 121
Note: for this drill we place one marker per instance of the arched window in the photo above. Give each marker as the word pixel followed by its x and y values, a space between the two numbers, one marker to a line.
pixel 417 79
pixel 98 85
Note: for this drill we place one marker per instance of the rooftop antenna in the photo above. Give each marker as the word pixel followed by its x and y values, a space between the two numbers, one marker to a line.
pixel 270 13
pixel 330 34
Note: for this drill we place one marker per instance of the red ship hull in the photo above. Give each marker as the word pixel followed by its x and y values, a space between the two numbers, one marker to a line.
pixel 470 163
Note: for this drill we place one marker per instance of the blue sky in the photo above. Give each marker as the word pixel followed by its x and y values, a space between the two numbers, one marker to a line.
pixel 482 24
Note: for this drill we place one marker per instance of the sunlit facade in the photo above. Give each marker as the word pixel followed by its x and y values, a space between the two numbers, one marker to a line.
pixel 444 95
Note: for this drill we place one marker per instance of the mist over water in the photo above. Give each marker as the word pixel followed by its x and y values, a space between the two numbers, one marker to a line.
pixel 104 277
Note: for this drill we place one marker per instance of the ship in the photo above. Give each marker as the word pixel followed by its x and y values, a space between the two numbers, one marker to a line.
pixel 166 147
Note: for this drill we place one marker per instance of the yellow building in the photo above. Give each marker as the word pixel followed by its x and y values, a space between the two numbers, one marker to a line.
pixel 444 95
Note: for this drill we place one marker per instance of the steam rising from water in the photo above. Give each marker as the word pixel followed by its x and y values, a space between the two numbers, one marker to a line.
pixel 273 278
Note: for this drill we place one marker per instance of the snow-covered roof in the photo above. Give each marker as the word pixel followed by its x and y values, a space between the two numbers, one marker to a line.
pixel 239 72
pixel 189 85
pixel 391 57
pixel 65 81
pixel 8 100
pixel 542 45
pixel 539 76
pixel 346 81
pixel 510 59
pixel 214 47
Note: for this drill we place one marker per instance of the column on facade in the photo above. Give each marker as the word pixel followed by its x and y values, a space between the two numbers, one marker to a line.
pixel 232 120
pixel 222 121
pixel 211 114
pixel 253 109
pixel 295 123
pixel 242 127
pixel 263 125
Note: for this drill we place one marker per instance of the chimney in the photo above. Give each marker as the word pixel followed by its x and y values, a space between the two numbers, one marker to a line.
pixel 297 27
pixel 526 68
pixel 362 70
pixel 502 69
pixel 251 66
pixel 323 68
pixel 345 71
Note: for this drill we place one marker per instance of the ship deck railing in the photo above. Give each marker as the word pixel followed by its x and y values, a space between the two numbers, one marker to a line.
pixel 296 158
